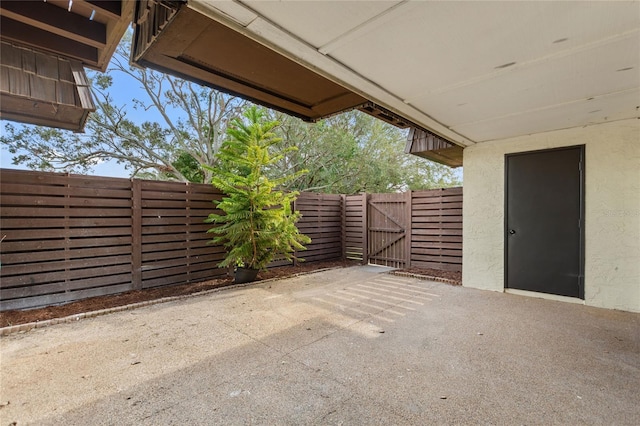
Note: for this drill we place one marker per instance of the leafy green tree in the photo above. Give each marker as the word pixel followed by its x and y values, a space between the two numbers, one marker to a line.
pixel 258 223
pixel 354 152
pixel 189 168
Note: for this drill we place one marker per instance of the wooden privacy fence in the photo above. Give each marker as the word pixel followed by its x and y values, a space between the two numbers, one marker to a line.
pixel 436 229
pixel 322 222
pixel 421 229
pixel 355 227
pixel 69 237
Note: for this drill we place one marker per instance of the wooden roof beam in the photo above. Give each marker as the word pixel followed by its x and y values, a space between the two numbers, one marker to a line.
pixel 57 21
pixel 25 34
pixel 109 8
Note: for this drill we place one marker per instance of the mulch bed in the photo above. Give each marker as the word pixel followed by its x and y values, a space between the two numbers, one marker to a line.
pixel 9 318
pixel 451 276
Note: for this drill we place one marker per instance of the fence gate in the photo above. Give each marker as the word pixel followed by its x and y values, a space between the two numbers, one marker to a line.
pixel 388 223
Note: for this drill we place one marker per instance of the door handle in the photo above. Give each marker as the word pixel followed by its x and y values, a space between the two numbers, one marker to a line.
pixel 512 231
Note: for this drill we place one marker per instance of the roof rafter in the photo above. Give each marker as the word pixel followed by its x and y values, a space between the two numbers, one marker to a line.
pixel 38 38
pixel 57 21
pixel 111 8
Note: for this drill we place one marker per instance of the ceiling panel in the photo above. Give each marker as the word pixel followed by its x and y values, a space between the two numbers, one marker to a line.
pixel 319 22
pixel 599 110
pixel 589 73
pixel 442 44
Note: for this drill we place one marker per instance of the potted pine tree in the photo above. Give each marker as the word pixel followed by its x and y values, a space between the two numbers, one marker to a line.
pixel 258 223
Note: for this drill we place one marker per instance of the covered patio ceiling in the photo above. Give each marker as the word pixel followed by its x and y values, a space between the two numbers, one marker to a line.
pixel 469 72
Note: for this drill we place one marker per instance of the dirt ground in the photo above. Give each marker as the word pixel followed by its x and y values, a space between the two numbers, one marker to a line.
pixel 429 272
pixel 9 318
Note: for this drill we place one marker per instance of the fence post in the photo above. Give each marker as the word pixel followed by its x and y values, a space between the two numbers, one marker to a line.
pixel 67 239
pixel 408 209
pixel 343 230
pixel 188 229
pixel 365 228
pixel 294 206
pixel 136 234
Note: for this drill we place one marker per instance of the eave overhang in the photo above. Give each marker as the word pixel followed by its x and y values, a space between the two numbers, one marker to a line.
pixel 175 39
pixel 432 147
pixel 43 89
pixel 45 47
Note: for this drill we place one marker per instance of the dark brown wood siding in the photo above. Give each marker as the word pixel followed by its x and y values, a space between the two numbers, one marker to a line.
pixel 432 147
pixel 42 88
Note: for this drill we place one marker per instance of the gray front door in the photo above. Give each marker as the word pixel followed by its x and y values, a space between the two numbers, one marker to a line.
pixel 544 221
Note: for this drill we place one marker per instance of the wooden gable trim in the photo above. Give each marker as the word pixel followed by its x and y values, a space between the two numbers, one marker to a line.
pixel 428 145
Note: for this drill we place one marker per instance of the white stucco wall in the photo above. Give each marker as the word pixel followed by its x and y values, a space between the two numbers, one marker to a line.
pixel 612 210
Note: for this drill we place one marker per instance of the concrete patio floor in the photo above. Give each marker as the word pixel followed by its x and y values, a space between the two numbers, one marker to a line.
pixel 346 346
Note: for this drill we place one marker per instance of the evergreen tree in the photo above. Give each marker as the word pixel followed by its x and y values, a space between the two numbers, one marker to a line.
pixel 258 223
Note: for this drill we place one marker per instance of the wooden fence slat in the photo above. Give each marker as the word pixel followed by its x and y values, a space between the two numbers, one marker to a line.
pixel 25 212
pixel 365 232
pixel 437 238
pixel 28 234
pixel 418 201
pixel 50 201
pixel 437 232
pixel 21 292
pixel 71 264
pixel 153 185
pixel 61 253
pixel 22 189
pixel 56 298
pixel 408 210
pixel 48 277
pixel 437 258
pixel 73 222
pixel 136 234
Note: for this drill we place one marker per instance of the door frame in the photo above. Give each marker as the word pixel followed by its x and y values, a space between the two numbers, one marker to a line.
pixel 505 230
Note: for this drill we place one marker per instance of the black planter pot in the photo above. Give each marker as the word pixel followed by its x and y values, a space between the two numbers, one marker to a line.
pixel 245 275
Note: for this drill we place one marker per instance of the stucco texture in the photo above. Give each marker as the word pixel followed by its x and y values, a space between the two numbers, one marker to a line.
pixel 612 210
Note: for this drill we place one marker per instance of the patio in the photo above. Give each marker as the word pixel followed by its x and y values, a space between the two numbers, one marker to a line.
pixel 352 346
